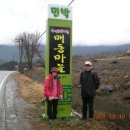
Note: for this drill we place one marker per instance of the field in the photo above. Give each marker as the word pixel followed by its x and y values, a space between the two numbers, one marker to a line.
pixel 114 74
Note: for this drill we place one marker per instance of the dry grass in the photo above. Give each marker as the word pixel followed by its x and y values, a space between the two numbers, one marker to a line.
pixel 30 90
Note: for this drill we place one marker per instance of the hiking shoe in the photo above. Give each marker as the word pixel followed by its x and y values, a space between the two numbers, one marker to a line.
pixel 83 118
pixel 50 121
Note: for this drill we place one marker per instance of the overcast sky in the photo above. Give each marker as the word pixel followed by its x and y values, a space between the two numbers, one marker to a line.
pixel 95 22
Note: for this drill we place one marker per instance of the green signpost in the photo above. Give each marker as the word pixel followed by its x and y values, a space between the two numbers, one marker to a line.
pixel 59 51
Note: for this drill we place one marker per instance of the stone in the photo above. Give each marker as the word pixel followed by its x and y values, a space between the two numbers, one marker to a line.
pixel 126 76
pixel 107 88
pixel 127 85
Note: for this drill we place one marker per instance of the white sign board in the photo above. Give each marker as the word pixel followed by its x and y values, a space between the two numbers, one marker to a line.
pixel 60 12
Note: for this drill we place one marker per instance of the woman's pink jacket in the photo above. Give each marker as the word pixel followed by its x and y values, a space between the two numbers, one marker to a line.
pixel 48 86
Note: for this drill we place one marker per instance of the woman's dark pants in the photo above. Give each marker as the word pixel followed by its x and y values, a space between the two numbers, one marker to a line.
pixel 52 108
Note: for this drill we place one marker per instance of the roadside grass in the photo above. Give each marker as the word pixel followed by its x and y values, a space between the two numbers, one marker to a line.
pixel 32 92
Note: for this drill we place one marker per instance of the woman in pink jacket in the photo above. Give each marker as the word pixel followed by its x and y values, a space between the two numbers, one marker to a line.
pixel 52 92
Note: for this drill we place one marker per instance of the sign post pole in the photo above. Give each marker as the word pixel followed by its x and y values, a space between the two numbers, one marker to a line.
pixel 59 52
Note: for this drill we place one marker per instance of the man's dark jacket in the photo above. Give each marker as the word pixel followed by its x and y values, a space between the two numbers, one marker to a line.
pixel 89 83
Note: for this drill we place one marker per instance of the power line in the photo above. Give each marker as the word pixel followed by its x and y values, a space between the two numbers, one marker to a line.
pixel 41 35
pixel 25 16
pixel 38 12
pixel 35 12
pixel 45 30
pixel 70 2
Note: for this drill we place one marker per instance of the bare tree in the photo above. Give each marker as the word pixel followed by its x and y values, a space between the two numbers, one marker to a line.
pixel 28 44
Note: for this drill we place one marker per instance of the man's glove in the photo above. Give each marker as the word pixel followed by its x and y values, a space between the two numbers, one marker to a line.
pixel 79 86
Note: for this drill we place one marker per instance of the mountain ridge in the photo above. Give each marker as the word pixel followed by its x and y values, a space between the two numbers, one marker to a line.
pixel 10 52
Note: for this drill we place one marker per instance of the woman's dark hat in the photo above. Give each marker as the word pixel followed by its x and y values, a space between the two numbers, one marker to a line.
pixel 54 69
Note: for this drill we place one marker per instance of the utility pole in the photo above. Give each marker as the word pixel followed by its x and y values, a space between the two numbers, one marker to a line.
pixel 13 57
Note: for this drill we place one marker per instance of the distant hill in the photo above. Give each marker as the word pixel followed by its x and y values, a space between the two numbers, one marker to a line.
pixel 96 50
pixel 8 65
pixel 10 52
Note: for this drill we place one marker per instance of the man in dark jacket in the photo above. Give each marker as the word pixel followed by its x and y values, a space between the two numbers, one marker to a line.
pixel 89 84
